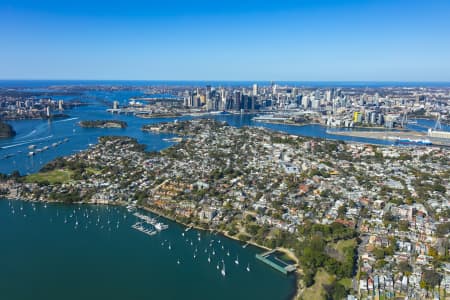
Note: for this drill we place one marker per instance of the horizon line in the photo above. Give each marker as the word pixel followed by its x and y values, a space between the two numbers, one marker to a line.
pixel 228 80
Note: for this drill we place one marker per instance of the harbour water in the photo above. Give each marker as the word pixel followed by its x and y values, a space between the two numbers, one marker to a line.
pixel 91 252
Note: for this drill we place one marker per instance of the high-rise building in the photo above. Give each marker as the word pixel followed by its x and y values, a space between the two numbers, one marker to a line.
pixel 357 117
pixel 255 89
pixel 305 102
pixel 237 100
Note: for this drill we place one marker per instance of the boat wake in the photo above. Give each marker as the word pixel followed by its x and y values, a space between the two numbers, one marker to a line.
pixel 33 132
pixel 66 120
pixel 26 142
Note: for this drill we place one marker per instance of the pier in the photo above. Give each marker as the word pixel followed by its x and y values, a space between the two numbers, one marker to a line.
pixel 270 259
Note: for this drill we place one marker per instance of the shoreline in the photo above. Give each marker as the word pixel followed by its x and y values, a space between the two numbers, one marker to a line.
pixel 173 219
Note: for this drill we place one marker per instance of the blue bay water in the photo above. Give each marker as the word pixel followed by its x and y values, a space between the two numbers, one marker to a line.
pixel 42 257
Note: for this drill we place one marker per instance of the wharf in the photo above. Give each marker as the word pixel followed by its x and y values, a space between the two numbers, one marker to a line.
pixel 275 262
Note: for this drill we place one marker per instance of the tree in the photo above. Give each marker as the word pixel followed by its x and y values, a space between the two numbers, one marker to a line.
pixel 335 291
pixel 308 278
pixel 404 267
pixel 430 279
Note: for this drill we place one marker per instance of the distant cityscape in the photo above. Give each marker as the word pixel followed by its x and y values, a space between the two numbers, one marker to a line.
pixel 346 107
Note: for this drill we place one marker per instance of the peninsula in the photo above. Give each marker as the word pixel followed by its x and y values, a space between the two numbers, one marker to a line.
pixel 103 124
pixel 344 212
pixel 6 130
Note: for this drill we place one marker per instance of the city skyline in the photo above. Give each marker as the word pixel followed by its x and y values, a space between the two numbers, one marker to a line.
pixel 251 41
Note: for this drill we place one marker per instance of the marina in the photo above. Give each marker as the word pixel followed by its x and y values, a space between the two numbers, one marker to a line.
pixel 100 238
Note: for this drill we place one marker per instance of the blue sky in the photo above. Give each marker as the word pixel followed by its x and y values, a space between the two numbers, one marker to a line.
pixel 303 40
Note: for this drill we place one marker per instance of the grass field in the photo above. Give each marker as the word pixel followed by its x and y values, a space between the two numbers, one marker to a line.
pixel 342 244
pixel 347 282
pixel 92 171
pixel 316 291
pixel 54 176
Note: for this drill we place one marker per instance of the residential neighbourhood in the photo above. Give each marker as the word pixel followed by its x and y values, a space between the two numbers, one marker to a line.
pixel 266 187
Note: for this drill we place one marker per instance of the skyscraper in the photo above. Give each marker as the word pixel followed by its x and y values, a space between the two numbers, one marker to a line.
pixel 255 89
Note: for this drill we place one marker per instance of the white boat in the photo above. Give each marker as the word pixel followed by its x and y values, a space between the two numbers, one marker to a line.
pixel 209 258
pixel 223 269
pixel 160 226
pixel 236 261
pixel 248 268
pixel 178 262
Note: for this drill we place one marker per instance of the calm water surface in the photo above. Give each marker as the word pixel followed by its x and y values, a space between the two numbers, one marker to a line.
pixel 44 257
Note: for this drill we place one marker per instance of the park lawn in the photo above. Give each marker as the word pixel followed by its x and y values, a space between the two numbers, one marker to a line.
pixel 342 244
pixel 93 171
pixel 316 291
pixel 347 282
pixel 54 176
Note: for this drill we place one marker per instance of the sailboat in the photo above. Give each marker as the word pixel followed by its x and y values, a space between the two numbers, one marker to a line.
pixel 223 269
pixel 209 258
pixel 228 253
pixel 237 260
pixel 217 266
pixel 170 247
pixel 248 268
